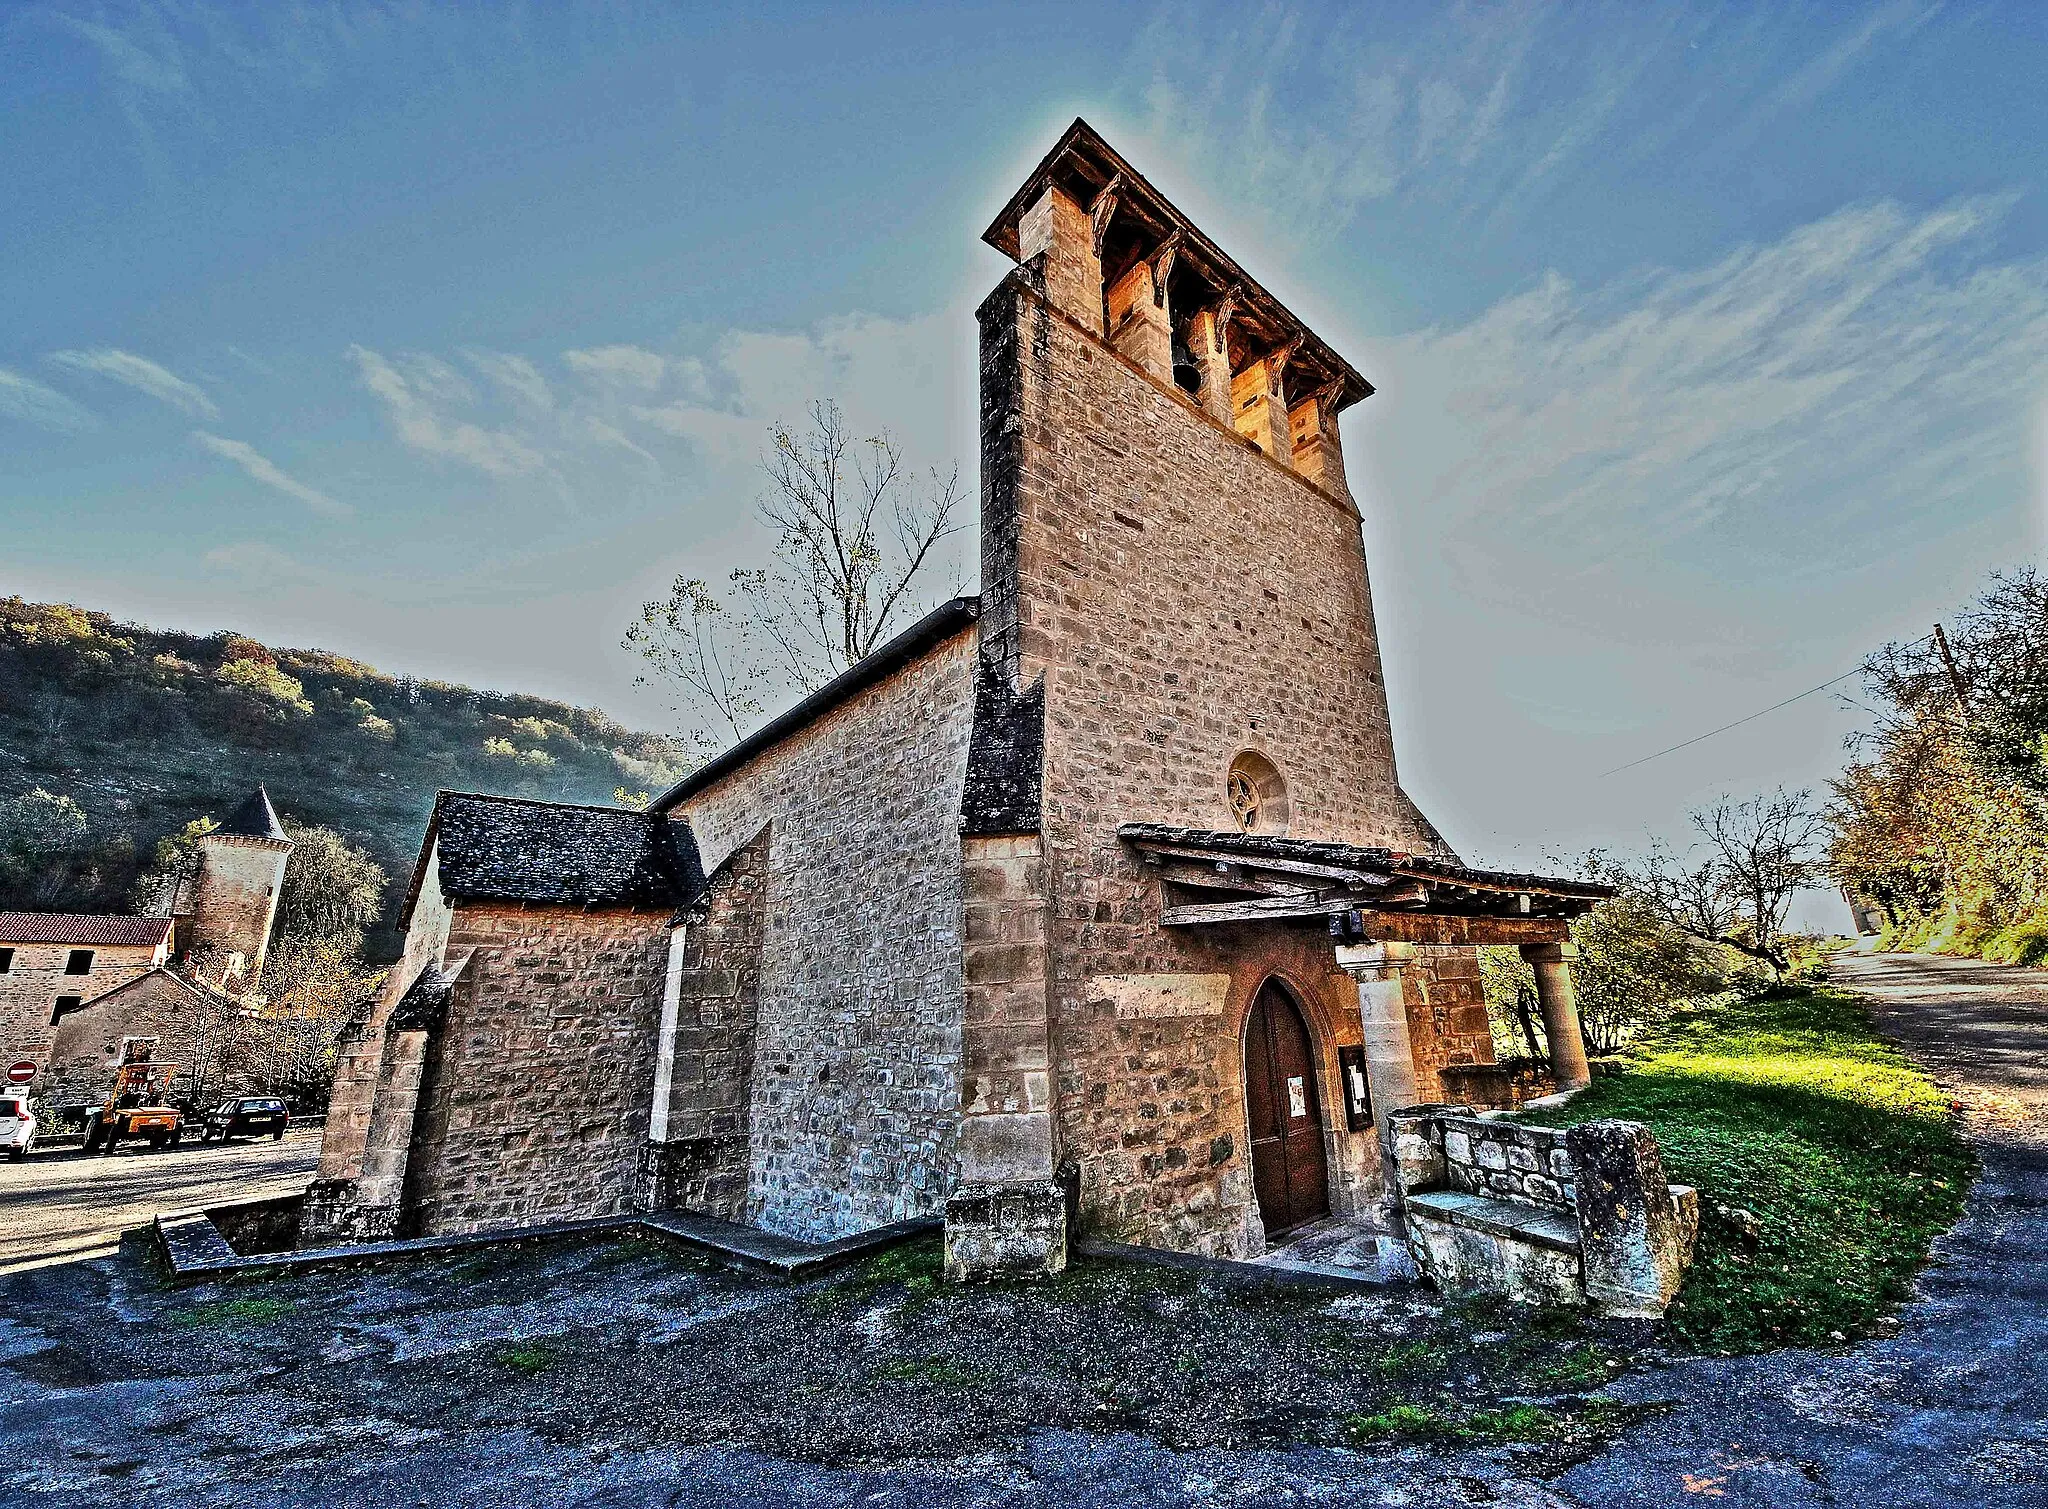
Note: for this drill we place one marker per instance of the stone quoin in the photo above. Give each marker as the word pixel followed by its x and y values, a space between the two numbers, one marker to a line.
pixel 1088 906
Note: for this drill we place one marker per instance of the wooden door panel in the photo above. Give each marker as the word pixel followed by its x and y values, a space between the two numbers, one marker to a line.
pixel 1290 1172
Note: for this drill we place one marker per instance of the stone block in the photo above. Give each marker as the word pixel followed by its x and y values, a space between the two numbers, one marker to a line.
pixel 1633 1243
pixel 1006 1231
pixel 1490 1156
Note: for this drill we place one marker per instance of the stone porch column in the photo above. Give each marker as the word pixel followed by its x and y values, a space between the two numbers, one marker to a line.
pixel 1560 1002
pixel 1383 1015
pixel 1377 968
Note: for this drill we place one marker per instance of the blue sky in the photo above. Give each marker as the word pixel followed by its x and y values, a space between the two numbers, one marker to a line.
pixel 1712 341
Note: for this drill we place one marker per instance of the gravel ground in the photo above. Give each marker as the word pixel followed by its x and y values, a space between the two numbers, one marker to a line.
pixel 623 1372
pixel 567 1373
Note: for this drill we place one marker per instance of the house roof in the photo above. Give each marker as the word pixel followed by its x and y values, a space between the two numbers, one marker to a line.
pixel 503 848
pixel 255 818
pixel 101 931
pixel 1085 166
pixel 191 987
pixel 935 628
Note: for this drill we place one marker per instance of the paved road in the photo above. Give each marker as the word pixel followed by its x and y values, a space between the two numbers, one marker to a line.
pixel 1954 1409
pixel 64 1205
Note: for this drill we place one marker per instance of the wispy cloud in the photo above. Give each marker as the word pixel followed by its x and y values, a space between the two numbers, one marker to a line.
pixel 626 366
pixel 142 374
pixel 415 401
pixel 260 562
pixel 1473 112
pixel 264 470
pixel 514 376
pixel 1841 389
pixel 27 400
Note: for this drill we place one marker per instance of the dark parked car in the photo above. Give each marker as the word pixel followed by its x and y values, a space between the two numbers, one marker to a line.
pixel 245 1116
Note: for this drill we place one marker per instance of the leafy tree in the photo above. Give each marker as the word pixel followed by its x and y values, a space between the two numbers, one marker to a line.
pixel 50 857
pixel 312 987
pixel 1941 818
pixel 855 536
pixel 332 890
pixel 1634 961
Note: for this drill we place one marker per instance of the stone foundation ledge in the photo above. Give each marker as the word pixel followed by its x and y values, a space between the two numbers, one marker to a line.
pixel 194 1247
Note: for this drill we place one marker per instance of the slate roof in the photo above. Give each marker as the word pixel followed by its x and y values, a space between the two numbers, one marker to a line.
pixel 1368 861
pixel 255 818
pixel 83 931
pixel 502 848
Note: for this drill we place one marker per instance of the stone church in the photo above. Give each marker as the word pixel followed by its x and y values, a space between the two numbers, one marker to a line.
pixel 1091 905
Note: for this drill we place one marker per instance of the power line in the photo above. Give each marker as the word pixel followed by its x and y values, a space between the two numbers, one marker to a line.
pixel 1631 765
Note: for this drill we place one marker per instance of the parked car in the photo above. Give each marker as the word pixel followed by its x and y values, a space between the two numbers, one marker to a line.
pixel 17 1125
pixel 245 1116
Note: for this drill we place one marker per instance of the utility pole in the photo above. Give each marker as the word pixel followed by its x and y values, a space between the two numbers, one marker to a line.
pixel 1955 677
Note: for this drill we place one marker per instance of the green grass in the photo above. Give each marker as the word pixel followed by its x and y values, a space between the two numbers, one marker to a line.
pixel 230 1311
pixel 527 1357
pixel 1789 1106
pixel 1422 1422
pixel 942 1371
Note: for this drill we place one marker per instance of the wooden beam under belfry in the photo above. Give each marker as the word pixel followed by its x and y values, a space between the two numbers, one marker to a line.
pixel 1265 909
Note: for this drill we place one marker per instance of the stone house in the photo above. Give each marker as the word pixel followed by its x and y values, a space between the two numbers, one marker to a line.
pixel 75 988
pixel 1092 901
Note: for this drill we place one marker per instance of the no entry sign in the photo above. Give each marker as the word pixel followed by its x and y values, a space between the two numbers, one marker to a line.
pixel 21 1073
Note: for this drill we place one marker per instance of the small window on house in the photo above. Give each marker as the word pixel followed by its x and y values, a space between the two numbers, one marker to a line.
pixel 79 962
pixel 6 960
pixel 64 1007
pixel 1257 795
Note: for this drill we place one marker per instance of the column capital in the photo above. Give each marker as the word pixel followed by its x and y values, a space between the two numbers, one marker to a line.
pixel 1549 953
pixel 1374 960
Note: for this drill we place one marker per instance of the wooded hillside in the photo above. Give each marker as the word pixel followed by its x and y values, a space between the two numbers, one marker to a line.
pixel 146 729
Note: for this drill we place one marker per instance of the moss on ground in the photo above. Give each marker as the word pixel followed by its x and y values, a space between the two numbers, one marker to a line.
pixel 253 1309
pixel 1789 1106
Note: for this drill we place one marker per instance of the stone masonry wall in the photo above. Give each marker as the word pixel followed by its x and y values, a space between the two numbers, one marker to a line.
pixel 857 1082
pixel 534 1104
pixel 236 902
pixel 35 979
pixel 1186 598
pixel 699 1153
pixel 1508 1161
pixel 1446 1015
pixel 360 1053
pixel 85 1048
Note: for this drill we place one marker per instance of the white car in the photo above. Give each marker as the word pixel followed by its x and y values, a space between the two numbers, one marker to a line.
pixel 17 1126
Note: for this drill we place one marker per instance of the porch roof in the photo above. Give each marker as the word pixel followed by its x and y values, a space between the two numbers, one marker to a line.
pixel 1254 877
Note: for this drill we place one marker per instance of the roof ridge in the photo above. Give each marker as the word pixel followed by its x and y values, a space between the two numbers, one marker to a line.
pixel 534 801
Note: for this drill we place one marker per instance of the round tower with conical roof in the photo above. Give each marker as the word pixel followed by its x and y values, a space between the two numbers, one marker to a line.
pixel 241 872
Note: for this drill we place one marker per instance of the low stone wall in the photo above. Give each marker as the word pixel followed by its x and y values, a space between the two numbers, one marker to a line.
pixel 1507 1160
pixel 1541 1216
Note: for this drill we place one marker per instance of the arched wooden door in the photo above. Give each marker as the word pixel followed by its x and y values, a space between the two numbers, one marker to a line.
pixel 1290 1173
